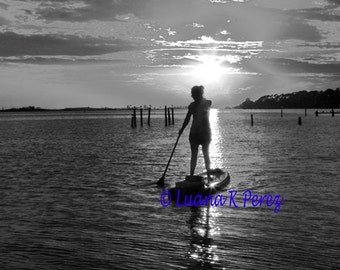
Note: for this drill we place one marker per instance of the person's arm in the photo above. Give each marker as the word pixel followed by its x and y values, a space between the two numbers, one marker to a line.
pixel 186 120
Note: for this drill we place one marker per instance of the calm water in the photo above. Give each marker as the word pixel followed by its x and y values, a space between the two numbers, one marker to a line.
pixel 75 193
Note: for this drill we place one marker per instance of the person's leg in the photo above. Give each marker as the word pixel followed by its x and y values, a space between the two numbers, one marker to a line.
pixel 205 149
pixel 194 152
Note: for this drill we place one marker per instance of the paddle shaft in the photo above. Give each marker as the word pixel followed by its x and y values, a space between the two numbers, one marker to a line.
pixel 172 153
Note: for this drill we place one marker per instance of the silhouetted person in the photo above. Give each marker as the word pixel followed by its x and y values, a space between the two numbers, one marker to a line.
pixel 200 133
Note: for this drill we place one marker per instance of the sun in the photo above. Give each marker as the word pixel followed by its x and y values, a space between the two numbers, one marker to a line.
pixel 209 69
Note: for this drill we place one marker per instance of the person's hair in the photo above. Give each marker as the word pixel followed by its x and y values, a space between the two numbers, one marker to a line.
pixel 197 92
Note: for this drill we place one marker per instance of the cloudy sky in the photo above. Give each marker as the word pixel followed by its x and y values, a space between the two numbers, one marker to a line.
pixel 64 53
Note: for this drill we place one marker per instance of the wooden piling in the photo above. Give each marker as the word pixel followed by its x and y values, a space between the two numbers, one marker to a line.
pixel 173 115
pixel 251 120
pixel 134 117
pixel 316 113
pixel 165 116
pixel 299 121
pixel 132 121
pixel 305 111
pixel 281 111
pixel 169 117
pixel 149 115
pixel 141 116
pixel 332 113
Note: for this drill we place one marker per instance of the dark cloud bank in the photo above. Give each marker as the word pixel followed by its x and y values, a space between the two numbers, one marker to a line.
pixel 12 44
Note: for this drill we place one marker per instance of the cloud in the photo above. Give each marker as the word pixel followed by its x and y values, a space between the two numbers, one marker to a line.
pixel 59 60
pixel 197 25
pixel 320 14
pixel 73 11
pixel 12 44
pixel 291 66
pixel 226 1
pixel 321 45
pixel 186 18
pixel 294 66
pixel 334 2
pixel 3 5
pixel 211 43
pixel 188 52
pixel 270 25
pixel 3 21
pixel 241 22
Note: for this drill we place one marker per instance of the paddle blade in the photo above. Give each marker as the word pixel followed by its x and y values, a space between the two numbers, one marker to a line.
pixel 161 182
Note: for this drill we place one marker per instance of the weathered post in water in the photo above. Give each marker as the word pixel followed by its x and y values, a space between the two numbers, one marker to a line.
pixel 165 116
pixel 300 121
pixel 281 111
pixel 149 115
pixel 305 111
pixel 316 113
pixel 172 113
pixel 332 113
pixel 134 117
pixel 251 120
pixel 141 116
pixel 169 117
pixel 132 121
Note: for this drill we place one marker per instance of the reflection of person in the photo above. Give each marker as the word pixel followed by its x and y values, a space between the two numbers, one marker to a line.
pixel 202 249
pixel 200 133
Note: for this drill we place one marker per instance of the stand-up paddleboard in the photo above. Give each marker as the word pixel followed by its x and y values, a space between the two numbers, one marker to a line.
pixel 199 184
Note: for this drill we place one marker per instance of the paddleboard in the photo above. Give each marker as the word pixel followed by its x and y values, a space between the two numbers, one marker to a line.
pixel 199 184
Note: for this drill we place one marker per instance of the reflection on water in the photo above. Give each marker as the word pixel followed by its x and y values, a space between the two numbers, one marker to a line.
pixel 216 140
pixel 202 251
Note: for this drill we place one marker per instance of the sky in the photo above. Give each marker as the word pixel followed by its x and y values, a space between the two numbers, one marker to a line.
pixel 114 53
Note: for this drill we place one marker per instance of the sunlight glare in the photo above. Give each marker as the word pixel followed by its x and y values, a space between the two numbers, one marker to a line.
pixel 209 70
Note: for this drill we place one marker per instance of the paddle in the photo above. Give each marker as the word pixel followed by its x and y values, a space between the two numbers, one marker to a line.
pixel 161 180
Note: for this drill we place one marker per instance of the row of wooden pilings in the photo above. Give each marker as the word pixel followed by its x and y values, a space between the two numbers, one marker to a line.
pixel 332 112
pixel 169 116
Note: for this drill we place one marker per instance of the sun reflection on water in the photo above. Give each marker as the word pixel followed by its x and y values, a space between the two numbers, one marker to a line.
pixel 216 140
pixel 202 251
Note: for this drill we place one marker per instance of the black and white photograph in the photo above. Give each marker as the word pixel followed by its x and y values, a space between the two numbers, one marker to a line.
pixel 169 134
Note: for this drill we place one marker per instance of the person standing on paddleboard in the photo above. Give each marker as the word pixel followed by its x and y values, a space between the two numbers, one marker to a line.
pixel 200 132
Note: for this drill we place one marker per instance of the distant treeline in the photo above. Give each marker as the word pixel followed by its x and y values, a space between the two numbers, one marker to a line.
pixel 25 109
pixel 38 109
pixel 78 109
pixel 302 99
